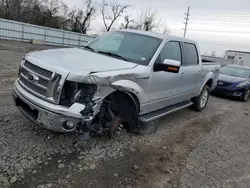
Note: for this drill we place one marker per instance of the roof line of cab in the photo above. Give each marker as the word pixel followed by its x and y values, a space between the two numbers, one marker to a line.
pixel 157 35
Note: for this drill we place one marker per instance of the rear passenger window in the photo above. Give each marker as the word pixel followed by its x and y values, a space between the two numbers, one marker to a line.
pixel 171 50
pixel 190 54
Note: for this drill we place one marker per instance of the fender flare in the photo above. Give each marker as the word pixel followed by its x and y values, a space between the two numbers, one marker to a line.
pixel 129 86
pixel 206 80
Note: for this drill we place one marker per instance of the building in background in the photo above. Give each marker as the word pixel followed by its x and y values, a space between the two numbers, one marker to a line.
pixel 238 57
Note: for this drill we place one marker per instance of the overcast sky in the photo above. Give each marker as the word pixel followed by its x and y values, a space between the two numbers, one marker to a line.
pixel 215 24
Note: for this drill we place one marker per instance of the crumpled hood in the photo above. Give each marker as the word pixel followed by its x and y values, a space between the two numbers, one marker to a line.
pixel 230 79
pixel 79 62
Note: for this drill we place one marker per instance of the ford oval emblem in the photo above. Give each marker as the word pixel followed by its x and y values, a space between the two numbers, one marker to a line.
pixel 32 77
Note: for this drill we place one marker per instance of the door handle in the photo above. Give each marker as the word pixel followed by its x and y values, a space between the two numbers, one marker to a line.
pixel 182 74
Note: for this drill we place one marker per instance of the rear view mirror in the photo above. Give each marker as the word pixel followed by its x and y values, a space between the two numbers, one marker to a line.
pixel 168 65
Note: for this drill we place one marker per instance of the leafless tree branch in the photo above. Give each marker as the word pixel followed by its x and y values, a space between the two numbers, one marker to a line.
pixel 81 18
pixel 128 23
pixel 166 30
pixel 110 12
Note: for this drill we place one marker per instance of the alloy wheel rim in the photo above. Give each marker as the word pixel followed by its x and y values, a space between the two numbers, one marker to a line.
pixel 204 99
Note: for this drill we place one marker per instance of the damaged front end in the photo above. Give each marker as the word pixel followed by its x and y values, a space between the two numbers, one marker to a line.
pixel 107 108
pixel 97 117
pixel 82 93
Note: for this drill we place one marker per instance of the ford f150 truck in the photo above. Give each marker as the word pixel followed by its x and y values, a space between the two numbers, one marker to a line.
pixel 120 78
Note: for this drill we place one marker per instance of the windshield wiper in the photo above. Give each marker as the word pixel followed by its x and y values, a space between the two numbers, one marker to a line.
pixel 89 48
pixel 113 55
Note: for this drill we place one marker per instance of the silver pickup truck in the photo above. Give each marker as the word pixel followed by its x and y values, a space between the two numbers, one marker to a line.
pixel 120 78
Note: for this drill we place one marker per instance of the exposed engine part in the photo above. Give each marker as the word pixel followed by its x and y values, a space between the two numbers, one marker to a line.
pixel 84 129
pixel 106 123
pixel 114 126
pixel 116 109
pixel 109 119
pixel 77 92
pixel 88 110
pixel 105 117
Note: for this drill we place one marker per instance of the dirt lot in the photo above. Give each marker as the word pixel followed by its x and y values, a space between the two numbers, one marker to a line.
pixel 188 150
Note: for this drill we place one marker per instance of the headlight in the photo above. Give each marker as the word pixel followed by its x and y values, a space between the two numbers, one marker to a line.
pixel 21 64
pixel 243 84
pixel 77 92
pixel 85 93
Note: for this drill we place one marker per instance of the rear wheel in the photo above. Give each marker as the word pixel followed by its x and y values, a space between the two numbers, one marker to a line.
pixel 200 102
pixel 246 95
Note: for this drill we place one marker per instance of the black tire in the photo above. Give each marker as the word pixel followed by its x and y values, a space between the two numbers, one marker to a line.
pixel 147 128
pixel 246 95
pixel 197 101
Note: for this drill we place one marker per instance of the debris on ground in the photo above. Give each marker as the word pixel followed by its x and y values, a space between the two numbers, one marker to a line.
pixel 136 167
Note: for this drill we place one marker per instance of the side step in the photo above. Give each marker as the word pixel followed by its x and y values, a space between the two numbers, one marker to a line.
pixel 164 111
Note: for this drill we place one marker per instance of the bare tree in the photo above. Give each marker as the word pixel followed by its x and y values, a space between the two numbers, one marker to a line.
pixel 110 12
pixel 166 30
pixel 128 23
pixel 49 13
pixel 81 18
pixel 147 21
pixel 1 7
pixel 12 9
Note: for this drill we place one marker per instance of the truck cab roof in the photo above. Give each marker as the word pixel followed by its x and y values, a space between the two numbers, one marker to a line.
pixel 158 35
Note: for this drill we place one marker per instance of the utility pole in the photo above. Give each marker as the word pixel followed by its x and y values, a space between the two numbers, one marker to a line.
pixel 186 21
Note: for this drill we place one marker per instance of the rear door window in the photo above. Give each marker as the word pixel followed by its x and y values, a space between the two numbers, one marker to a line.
pixel 190 54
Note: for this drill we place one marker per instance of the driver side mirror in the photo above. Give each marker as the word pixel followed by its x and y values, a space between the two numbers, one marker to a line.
pixel 168 65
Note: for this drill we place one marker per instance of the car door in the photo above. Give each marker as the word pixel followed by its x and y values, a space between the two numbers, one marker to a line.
pixel 165 86
pixel 190 71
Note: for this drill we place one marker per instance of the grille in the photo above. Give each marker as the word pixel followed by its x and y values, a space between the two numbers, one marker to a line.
pixel 41 80
pixel 38 70
pixel 38 81
pixel 32 87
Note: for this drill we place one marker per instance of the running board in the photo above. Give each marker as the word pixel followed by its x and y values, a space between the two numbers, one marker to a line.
pixel 164 111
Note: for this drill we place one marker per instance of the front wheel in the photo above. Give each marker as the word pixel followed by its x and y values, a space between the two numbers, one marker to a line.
pixel 246 95
pixel 200 102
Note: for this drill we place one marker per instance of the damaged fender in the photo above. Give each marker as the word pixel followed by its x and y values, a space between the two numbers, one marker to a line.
pixel 124 89
pixel 122 80
pixel 129 86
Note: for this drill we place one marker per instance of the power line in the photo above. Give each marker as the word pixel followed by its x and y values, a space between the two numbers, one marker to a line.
pixel 221 22
pixel 186 21
pixel 219 31
pixel 226 45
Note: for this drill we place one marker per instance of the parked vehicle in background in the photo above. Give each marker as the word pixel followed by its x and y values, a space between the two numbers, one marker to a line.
pixel 213 59
pixel 122 77
pixel 234 81
pixel 238 57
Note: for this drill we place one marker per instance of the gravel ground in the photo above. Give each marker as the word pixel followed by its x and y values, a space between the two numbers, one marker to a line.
pixel 189 149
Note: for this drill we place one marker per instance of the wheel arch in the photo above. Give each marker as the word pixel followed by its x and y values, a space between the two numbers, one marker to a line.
pixel 208 81
pixel 128 108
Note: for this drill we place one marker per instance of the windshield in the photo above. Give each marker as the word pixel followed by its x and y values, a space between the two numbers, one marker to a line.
pixel 236 71
pixel 130 46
